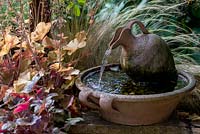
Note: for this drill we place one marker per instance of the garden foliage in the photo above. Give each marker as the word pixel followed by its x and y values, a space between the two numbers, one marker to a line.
pixel 34 79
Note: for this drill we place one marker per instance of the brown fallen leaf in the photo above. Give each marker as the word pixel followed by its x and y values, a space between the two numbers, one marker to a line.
pixel 67 70
pixel 41 30
pixel 7 42
pixel 78 42
pixel 23 79
pixel 194 117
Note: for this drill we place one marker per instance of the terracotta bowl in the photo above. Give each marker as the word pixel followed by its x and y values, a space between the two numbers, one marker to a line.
pixel 133 109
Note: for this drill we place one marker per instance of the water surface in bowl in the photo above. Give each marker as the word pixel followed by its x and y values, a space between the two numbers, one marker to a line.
pixel 116 81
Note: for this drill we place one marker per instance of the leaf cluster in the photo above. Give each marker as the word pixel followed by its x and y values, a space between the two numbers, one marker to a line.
pixel 36 83
pixel 37 93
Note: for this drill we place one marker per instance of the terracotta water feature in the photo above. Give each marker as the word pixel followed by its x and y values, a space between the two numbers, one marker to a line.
pixel 146 58
pixel 144 88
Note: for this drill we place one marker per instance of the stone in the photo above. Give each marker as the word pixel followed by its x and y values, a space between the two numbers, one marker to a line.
pixel 93 124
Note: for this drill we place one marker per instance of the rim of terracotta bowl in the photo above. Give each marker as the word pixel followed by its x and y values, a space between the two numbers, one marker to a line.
pixel 184 75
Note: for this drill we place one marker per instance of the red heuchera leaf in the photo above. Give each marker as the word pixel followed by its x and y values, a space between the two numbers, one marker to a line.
pixel 21 107
pixel 24 96
pixel 38 91
pixel 3 131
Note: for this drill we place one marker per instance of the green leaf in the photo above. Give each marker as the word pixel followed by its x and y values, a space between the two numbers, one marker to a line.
pixel 62 1
pixel 69 6
pixel 77 11
pixel 82 2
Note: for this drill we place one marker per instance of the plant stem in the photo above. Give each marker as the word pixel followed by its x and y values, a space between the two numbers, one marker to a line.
pixel 32 52
pixel 21 26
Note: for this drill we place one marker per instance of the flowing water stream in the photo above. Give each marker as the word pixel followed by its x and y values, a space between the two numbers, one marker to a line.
pixel 104 62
